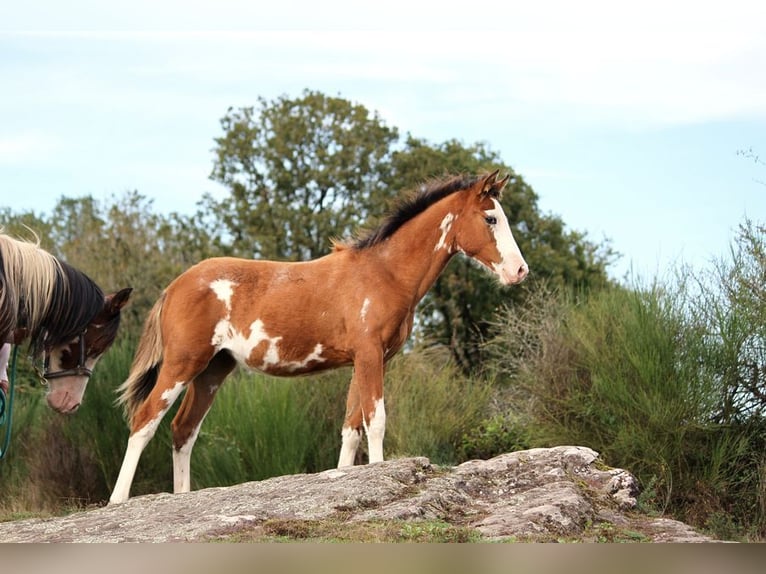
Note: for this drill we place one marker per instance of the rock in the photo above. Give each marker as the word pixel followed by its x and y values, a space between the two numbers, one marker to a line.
pixel 539 494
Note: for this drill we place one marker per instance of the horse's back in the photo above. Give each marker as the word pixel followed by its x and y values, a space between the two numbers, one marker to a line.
pixel 278 317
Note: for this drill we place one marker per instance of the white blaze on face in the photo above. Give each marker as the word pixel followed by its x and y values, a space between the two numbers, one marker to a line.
pixel 512 268
pixel 445 226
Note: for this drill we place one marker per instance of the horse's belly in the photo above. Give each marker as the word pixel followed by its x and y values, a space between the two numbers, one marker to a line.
pixel 272 354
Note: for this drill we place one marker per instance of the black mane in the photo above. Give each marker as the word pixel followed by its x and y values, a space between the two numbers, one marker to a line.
pixel 412 206
pixel 76 301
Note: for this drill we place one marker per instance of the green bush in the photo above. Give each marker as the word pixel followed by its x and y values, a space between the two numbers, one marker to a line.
pixel 665 381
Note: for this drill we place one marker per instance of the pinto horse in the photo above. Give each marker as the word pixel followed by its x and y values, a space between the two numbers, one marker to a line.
pixel 65 316
pixel 354 306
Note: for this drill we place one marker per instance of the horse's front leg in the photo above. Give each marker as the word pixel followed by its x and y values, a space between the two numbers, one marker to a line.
pixel 365 407
pixel 351 435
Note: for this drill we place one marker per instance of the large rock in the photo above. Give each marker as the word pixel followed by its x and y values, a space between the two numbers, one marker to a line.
pixel 539 494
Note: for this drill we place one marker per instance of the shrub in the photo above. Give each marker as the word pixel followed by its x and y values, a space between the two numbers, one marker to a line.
pixel 666 381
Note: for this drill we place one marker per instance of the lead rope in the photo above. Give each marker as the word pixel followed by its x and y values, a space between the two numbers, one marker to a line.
pixel 6 405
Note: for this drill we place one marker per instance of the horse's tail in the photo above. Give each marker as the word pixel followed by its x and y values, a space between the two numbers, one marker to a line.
pixel 146 363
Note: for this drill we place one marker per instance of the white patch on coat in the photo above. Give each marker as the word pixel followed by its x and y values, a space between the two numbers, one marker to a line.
pixel 445 226
pixel 226 336
pixel 365 308
pixel 315 355
pixel 170 395
pixel 223 289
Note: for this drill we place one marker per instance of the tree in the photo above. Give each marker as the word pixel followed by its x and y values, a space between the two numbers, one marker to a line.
pixel 122 242
pixel 27 226
pixel 299 171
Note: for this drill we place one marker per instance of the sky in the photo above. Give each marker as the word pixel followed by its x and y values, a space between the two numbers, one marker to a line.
pixel 642 124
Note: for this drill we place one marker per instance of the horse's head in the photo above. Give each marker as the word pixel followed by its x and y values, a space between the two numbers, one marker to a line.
pixel 483 233
pixel 68 366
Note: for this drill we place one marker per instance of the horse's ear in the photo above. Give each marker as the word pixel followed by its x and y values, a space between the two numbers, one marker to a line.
pixel 490 186
pixel 498 186
pixel 118 300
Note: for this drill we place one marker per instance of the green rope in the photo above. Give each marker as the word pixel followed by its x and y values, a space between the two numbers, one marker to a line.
pixel 6 414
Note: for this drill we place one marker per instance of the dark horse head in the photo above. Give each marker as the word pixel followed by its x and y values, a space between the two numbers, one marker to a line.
pixel 64 314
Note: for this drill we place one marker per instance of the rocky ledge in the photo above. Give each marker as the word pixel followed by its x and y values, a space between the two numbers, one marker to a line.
pixel 561 493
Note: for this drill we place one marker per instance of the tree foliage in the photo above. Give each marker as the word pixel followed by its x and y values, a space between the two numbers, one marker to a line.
pixel 299 171
pixel 119 242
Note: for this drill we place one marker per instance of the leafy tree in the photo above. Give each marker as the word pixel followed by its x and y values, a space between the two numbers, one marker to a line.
pixel 123 242
pixel 300 171
pixel 26 225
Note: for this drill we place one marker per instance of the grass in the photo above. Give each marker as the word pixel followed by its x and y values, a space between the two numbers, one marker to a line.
pixel 339 529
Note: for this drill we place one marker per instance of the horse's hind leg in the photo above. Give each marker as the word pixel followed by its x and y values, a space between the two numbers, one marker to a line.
pixel 187 422
pixel 143 426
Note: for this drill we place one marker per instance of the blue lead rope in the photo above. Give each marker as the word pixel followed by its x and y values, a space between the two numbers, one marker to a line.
pixel 6 405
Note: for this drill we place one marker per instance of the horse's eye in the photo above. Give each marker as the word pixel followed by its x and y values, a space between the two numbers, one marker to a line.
pixel 491 219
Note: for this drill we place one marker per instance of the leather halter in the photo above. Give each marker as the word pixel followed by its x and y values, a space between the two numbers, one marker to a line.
pixel 80 370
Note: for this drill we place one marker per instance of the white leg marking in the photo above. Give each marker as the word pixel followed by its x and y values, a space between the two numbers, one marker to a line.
pixel 351 439
pixel 376 431
pixel 136 444
pixel 182 462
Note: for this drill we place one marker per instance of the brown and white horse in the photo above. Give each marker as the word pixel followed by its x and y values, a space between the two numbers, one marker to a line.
pixel 64 314
pixel 354 306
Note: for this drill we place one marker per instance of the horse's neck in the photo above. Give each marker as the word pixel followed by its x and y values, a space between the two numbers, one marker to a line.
pixel 419 251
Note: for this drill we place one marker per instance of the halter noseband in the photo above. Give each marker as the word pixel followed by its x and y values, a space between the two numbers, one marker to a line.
pixel 79 370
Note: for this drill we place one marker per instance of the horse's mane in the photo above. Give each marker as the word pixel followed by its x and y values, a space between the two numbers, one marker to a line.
pixel 51 299
pixel 408 207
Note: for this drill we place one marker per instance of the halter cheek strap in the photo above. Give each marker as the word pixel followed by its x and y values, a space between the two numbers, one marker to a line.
pixel 79 370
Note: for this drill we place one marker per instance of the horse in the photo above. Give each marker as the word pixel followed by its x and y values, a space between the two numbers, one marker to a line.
pixel 353 306
pixel 62 312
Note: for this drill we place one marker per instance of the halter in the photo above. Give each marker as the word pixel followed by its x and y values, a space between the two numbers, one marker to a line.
pixel 79 370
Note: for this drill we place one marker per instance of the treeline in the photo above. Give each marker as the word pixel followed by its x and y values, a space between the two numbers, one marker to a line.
pixel 666 379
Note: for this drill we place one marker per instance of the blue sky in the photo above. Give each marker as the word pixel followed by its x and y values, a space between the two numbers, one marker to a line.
pixel 626 119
